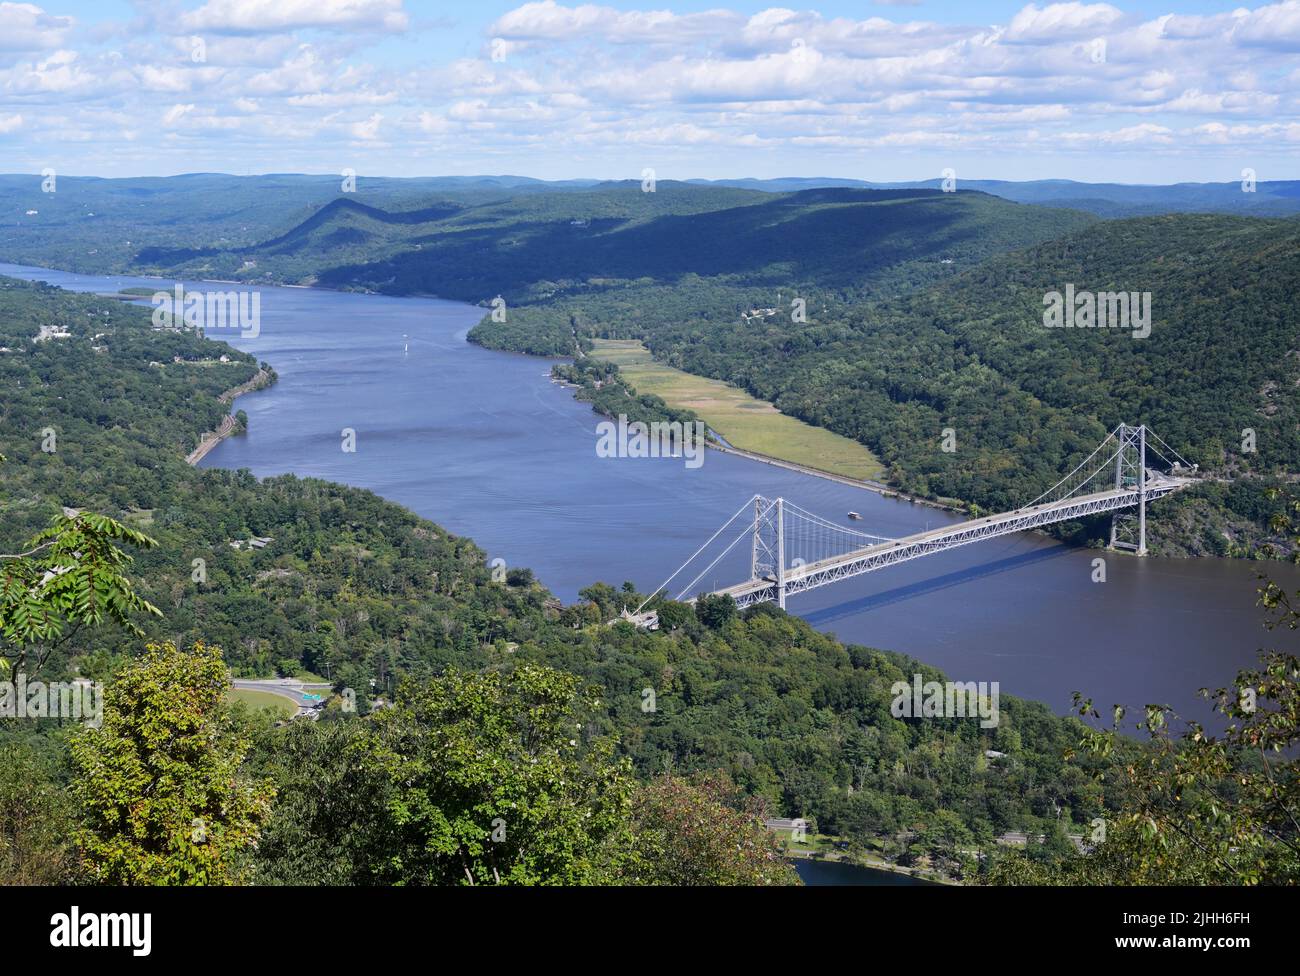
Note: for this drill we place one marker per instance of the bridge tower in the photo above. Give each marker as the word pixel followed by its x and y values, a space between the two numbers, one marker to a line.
pixel 768 558
pixel 1128 530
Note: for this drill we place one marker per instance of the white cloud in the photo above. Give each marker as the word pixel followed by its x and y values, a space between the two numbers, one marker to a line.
pixel 59 74
pixel 1061 21
pixel 176 113
pixel 433 124
pixel 367 130
pixel 548 20
pixel 26 27
pixel 1275 26
pixel 580 80
pixel 236 16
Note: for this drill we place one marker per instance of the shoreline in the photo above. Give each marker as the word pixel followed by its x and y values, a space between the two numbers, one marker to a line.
pixel 874 486
pixel 877 487
pixel 260 381
pixel 208 440
pixel 887 867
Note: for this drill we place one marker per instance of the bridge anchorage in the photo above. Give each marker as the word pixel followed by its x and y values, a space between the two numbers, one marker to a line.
pixel 793 550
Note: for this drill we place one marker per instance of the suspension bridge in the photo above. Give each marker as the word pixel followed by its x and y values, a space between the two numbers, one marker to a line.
pixel 793 550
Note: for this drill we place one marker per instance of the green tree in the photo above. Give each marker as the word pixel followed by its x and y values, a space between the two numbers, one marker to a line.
pixel 495 778
pixel 159 783
pixel 35 820
pixel 69 575
pixel 331 823
pixel 702 833
pixel 715 611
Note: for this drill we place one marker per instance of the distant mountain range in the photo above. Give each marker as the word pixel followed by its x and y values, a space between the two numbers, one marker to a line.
pixel 1272 198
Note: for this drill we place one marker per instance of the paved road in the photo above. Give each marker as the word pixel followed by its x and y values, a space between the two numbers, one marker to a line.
pixel 290 688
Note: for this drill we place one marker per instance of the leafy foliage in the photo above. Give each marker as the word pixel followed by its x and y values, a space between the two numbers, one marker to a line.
pixel 703 833
pixel 36 819
pixel 158 782
pixel 71 574
pixel 494 778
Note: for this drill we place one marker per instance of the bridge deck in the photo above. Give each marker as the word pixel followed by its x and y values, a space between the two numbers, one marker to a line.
pixel 811 575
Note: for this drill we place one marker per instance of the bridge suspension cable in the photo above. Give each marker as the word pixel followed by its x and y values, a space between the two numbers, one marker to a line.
pixel 807 537
pixel 664 585
pixel 795 550
pixel 716 559
pixel 804 513
pixel 810 539
pixel 1121 435
pixel 1152 435
pixel 1104 466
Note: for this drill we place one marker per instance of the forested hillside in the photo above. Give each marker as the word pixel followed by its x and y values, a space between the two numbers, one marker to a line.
pixel 1215 377
pixel 887 315
pixel 362 590
pixel 100 226
pixel 1027 401
pixel 1263 198
pixel 473 243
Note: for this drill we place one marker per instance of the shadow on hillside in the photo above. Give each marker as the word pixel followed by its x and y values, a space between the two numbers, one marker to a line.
pixel 817 235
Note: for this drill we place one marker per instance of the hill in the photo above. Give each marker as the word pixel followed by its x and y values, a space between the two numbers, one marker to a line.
pixel 473 239
pixel 538 247
pixel 364 590
pixel 1216 376
pixel 1264 198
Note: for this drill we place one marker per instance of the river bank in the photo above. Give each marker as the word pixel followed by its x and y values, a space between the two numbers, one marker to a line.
pixel 730 415
pixel 486 445
pixel 872 486
pixel 229 425
pixel 260 381
pixel 905 875
pixel 745 421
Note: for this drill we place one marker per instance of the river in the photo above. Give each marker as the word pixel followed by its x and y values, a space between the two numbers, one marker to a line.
pixel 485 444
pixel 838 873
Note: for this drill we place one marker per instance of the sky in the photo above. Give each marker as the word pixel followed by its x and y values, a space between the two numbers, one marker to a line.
pixel 1150 91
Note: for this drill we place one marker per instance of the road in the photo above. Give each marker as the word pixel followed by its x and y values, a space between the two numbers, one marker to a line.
pixel 291 688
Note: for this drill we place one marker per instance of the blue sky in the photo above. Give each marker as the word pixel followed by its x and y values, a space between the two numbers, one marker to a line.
pixel 1134 92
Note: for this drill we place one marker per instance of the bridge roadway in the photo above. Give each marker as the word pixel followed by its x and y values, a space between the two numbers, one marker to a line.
pixel 811 575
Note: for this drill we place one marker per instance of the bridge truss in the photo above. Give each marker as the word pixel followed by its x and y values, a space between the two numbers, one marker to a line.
pixel 793 550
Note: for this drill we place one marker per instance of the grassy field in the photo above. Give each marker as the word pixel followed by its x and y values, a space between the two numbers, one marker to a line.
pixel 263 699
pixel 746 423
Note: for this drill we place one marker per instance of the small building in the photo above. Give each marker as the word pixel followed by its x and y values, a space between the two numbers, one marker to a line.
pixel 257 542
pixel 643 621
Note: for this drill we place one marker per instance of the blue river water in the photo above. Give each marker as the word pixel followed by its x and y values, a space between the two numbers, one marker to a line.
pixel 836 873
pixel 487 445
